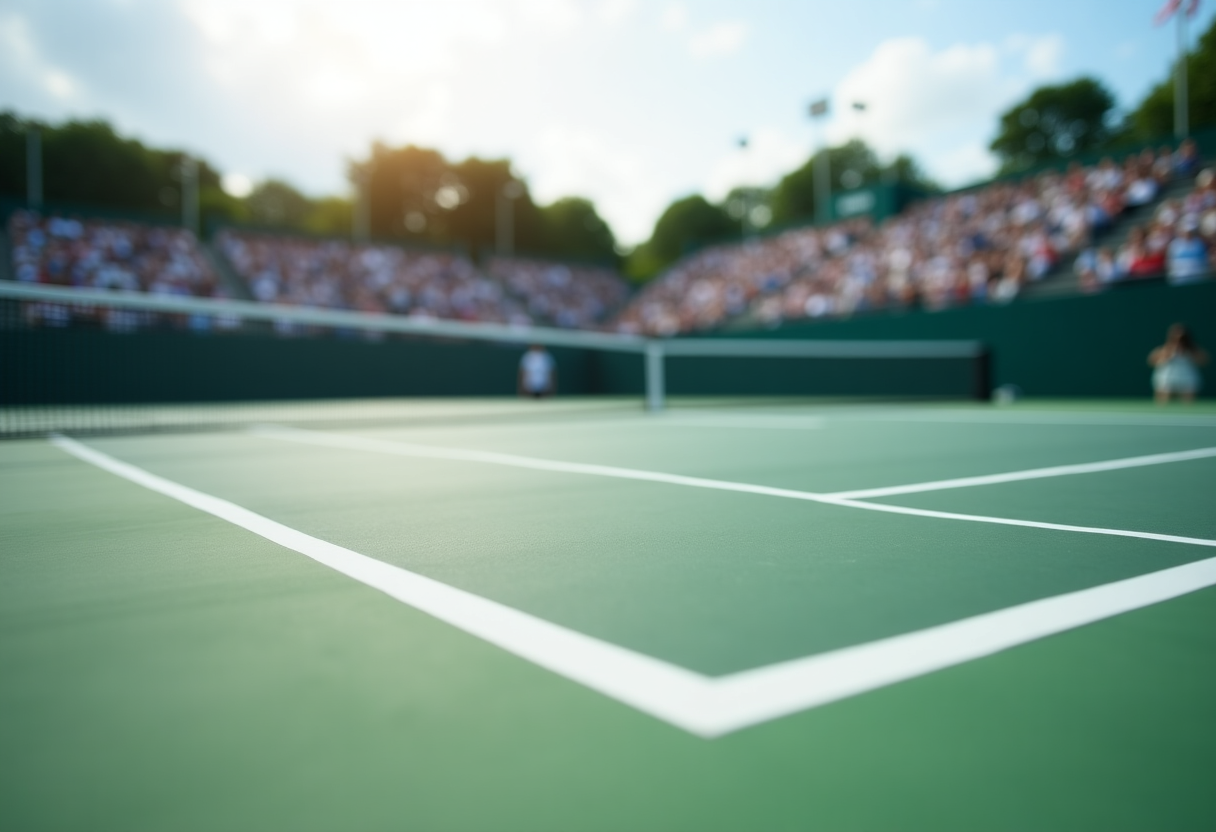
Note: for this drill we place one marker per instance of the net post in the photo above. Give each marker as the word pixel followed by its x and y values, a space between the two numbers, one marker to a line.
pixel 654 376
pixel 983 374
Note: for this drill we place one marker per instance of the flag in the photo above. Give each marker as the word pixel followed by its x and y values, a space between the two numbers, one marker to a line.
pixel 1167 11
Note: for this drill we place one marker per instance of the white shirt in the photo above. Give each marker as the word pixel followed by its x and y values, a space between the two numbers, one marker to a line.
pixel 537 367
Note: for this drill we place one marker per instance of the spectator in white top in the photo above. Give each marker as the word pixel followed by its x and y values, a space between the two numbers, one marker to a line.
pixel 537 373
pixel 1187 258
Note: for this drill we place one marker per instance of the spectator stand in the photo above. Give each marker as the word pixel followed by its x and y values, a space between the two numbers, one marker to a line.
pixel 1098 266
pixel 988 243
pixel 567 294
pixel 374 277
pixel 87 248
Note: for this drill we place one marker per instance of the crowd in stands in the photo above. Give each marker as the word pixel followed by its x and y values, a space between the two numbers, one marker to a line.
pixel 982 245
pixel 565 295
pixel 104 254
pixel 1178 240
pixel 978 246
pixel 720 282
pixel 335 274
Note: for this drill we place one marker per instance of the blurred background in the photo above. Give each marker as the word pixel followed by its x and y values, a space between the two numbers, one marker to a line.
pixel 651 169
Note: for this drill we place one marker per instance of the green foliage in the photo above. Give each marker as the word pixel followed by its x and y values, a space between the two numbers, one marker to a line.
pixel 687 224
pixel 853 164
pixel 274 203
pixel 417 194
pixel 480 184
pixel 575 230
pixel 400 185
pixel 1155 115
pixel 331 216
pixel 1055 123
pixel 87 162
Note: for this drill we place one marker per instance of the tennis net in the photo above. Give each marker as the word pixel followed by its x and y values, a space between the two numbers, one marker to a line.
pixel 91 361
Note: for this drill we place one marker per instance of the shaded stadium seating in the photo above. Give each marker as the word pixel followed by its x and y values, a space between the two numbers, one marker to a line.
pixel 567 295
pixel 368 278
pixel 981 245
pixel 107 254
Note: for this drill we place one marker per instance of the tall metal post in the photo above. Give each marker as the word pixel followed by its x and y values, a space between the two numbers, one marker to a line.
pixel 1181 102
pixel 33 167
pixel 504 219
pixel 655 384
pixel 823 165
pixel 504 226
pixel 360 211
pixel 190 194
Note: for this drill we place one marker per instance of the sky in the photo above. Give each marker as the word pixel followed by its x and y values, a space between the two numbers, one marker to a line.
pixel 631 104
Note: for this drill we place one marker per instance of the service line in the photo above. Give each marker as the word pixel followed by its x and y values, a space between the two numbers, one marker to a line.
pixel 702 705
pixel 409 449
pixel 1032 474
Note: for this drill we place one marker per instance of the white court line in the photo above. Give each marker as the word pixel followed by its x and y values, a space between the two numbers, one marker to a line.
pixel 1032 474
pixel 391 447
pixel 783 422
pixel 1040 418
pixel 702 705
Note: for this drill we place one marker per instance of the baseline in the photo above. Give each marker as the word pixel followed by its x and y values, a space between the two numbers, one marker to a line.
pixel 393 447
pixel 702 705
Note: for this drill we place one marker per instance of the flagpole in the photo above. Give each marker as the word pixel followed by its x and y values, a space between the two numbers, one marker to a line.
pixel 1181 128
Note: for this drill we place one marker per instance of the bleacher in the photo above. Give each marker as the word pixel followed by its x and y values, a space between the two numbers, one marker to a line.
pixel 1055 233
pixel 114 255
pixel 988 244
pixel 567 295
pixel 336 274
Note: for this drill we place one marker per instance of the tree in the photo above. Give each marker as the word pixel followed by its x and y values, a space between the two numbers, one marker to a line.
pixel 331 216
pixel 276 203
pixel 88 162
pixel 473 220
pixel 749 207
pixel 574 229
pixel 687 224
pixel 1055 123
pixel 853 164
pixel 1154 117
pixel 401 184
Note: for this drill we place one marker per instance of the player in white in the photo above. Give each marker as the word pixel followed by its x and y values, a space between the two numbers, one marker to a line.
pixel 537 373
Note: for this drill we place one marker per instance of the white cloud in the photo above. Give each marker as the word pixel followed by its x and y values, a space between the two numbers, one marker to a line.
pixel 939 105
pixel 18 46
pixel 1041 55
pixel 718 40
pixel 770 153
pixel 615 12
pixel 675 17
pixel 569 161
pixel 59 83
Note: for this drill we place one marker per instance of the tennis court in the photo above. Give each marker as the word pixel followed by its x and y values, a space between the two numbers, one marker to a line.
pixel 574 615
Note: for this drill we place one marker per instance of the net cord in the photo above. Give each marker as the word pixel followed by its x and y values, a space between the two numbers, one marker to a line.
pixel 654 350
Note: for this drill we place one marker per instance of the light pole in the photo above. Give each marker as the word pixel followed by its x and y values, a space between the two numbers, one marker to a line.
pixel 504 226
pixel 190 194
pixel 1181 104
pixel 360 215
pixel 33 168
pixel 823 166
pixel 743 203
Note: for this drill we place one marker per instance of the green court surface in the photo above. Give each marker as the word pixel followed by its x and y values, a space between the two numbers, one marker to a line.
pixel 731 616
